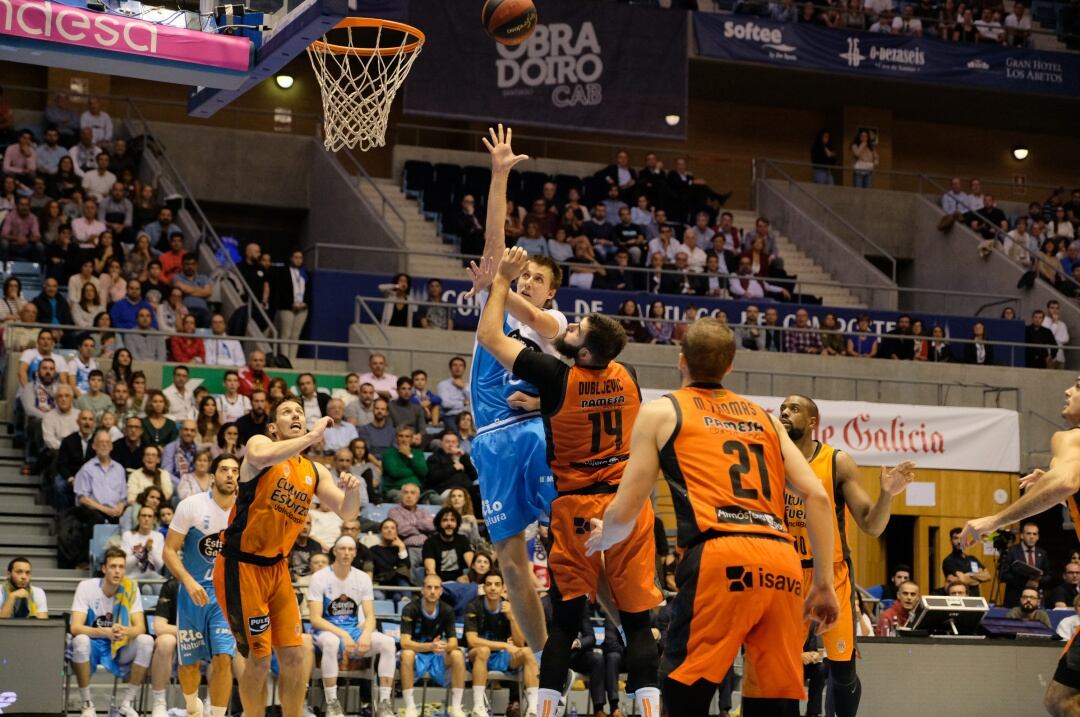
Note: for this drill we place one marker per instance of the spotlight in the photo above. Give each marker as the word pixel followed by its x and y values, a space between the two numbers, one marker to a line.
pixel 1020 152
pixel 284 81
pixel 672 120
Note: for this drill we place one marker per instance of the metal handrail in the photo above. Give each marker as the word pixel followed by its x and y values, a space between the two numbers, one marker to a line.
pixel 209 234
pixel 793 183
pixel 362 175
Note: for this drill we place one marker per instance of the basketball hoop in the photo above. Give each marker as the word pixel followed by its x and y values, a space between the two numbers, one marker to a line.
pixel 359 77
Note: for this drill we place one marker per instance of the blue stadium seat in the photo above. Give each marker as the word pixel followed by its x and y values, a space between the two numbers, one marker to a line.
pixel 433 509
pixel 102 533
pixel 416 177
pixel 376 513
pixel 875 592
pixel 384 607
pixel 29 273
pixel 1059 614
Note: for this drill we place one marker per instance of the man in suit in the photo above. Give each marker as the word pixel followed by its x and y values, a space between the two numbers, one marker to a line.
pixel 74 450
pixel 622 175
pixel 1028 553
pixel 685 282
pixel 315 403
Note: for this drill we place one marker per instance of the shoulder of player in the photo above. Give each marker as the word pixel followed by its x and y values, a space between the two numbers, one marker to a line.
pixel 846 467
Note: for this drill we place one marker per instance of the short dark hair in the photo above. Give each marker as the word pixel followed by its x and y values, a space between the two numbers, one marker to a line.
pixel 901 567
pixel 402 380
pixel 310 375
pixel 604 339
pixel 14 561
pixel 456 358
pixel 96 373
pixel 955 531
pixel 223 457
pixel 419 372
pixel 182 366
pixel 548 263
pixel 113 551
pixel 493 573
pixel 231 372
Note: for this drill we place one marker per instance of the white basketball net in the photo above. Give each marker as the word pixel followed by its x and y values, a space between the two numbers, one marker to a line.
pixel 358 85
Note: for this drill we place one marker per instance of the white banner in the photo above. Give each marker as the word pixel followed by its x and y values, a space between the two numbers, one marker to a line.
pixel 874 434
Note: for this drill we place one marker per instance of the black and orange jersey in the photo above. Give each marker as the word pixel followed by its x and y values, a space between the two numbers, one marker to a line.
pixel 823 463
pixel 724 465
pixel 588 416
pixel 1074 511
pixel 270 511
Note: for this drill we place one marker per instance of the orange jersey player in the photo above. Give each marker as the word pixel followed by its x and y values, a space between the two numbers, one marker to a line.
pixel 727 462
pixel 589 409
pixel 251 574
pixel 1044 490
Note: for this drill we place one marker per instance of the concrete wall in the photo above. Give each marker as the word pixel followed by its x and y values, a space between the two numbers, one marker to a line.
pixel 338 214
pixel 882 215
pixel 239 166
pixel 1027 391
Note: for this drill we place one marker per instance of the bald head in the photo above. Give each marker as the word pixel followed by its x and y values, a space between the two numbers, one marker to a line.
pixel 708 350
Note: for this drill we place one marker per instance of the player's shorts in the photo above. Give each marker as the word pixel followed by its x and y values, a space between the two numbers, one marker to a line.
pixel 101 655
pixel 499 661
pixel 354 633
pixel 515 480
pixel 260 604
pixel 839 640
pixel 1068 668
pixel 202 632
pixel 630 565
pixel 431 664
pixel 738 591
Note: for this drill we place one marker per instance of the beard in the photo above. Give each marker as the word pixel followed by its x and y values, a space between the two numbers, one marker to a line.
pixel 796 434
pixel 565 348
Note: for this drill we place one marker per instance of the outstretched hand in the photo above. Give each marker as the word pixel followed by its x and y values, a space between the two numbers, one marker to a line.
pixel 1031 479
pixel 503 158
pixel 896 480
pixel 513 263
pixel 481 274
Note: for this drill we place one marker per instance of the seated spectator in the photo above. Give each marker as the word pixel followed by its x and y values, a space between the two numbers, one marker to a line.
pixel 87 228
pixel 114 287
pixel 232 405
pixel 390 557
pixel 429 646
pixel 195 287
pixel 18 598
pixel 907 23
pixel 750 336
pixel 366 467
pixel 403 463
pixel 466 430
pixel 98 182
pixel 228 442
pixel 74 451
pixel 461 500
pixel 198 479
pixel 98 122
pixel 145 346
pixel 585 270
pixel 187 348
pixel 150 474
pixel 533 241
pixel 630 236
pixel 208 421
pixel 897 343
pixel 144 547
pixel 181 400
pixel 254 423
pixel 832 340
pixel 254 375
pixel 448 467
pixel 100 491
pixel 222 350
pixel 404 412
pixel 30 359
pixel 1023 247
pixel 49 153
pixel 898 614
pixel 137 402
pixel 619 277
pixel 1065 629
pixel 665 245
pixel 453 391
pixel 385 384
pixel 423 397
pixel 338 435
pixel 37 399
pixel 1065 595
pixel 155 282
pixel 315 403
pixel 178 457
pixel 632 324
pixel 158 428
pixel 804 341
pixel 59 423
pixel 300 556
pixel 161 231
pixel 1029 609
pixel 989 27
pixel 681 279
pixel 84 154
pixel 696 257
pixel 52 308
pixel 111 605
pixel 862 343
pixel 543 215
pixel 116 211
pixel 656 327
pixel 12 300
pixel 414 524
pixel 466 225
pixel 744 286
pixel 88 306
pixel 1018 26
pixel 124 313
pixel 435 317
pixel 20 234
pixel 446 553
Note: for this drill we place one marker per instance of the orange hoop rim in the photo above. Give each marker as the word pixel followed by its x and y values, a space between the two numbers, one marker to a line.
pixel 323 46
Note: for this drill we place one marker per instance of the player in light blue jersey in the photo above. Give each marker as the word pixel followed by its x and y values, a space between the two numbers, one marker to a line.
pixel 509 450
pixel 191 547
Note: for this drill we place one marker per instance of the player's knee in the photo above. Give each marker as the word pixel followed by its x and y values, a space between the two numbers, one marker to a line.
pixel 291 657
pixel 80 649
pixel 454 657
pixel 408 657
pixel 144 650
pixel 164 643
pixel 329 642
pixel 483 653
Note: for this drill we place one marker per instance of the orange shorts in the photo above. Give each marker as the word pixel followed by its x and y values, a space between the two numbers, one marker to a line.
pixel 260 604
pixel 839 641
pixel 630 566
pixel 739 591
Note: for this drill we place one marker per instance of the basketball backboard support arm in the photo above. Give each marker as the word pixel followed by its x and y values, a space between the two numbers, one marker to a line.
pixel 289 37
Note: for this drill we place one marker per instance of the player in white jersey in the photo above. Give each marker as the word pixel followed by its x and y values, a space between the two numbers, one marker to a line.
pixel 191 547
pixel 509 450
pixel 108 628
pixel 338 596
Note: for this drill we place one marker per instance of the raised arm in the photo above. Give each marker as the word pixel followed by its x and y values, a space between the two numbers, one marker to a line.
pixel 871 516
pixel 262 452
pixel 503 160
pixel 489 332
pixel 343 496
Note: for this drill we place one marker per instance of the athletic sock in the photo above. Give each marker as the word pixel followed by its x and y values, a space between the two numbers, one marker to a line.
pixel 191 701
pixel 530 695
pixel 129 695
pixel 159 697
pixel 384 693
pixel 477 696
pixel 407 695
pixel 217 711
pixel 647 700
pixel 456 693
pixel 84 692
pixel 330 693
pixel 547 701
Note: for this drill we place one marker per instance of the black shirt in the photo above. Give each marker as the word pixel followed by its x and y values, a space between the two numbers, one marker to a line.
pixel 494 626
pixel 128 458
pixel 247 426
pixel 958 562
pixel 1035 357
pixel 426 628
pixel 1063 593
pixel 388 565
pixel 300 557
pixel 166 604
pixel 449 556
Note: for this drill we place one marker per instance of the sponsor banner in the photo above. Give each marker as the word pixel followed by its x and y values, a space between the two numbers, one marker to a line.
pixel 811 47
pixel 332 316
pixel 879 434
pixel 59 23
pixel 587 64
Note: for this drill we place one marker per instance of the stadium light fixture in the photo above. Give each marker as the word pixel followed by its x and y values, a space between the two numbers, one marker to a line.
pixel 672 120
pixel 1020 152
pixel 284 81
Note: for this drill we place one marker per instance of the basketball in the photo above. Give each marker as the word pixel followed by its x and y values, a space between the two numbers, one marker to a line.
pixel 510 22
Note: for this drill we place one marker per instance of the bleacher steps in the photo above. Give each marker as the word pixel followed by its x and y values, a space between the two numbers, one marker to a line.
pixel 40 557
pixel 420 234
pixel 26 525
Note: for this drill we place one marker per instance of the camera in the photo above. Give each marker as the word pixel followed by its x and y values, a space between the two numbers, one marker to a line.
pixel 1003 538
